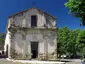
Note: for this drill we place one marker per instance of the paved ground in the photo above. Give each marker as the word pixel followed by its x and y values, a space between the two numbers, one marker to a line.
pixel 4 61
pixel 73 63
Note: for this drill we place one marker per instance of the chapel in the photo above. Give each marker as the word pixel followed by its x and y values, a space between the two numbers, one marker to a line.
pixel 31 34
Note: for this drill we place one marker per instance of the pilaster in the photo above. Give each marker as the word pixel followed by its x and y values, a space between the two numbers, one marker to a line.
pixel 55 48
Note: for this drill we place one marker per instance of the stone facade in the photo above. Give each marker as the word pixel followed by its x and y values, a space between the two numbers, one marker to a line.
pixel 20 35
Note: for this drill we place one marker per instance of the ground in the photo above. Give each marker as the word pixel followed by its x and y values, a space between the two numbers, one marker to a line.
pixel 73 63
pixel 4 61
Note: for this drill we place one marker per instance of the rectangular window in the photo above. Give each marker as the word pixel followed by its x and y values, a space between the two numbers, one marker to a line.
pixel 34 21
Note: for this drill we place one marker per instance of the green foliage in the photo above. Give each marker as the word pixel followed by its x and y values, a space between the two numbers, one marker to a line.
pixel 81 42
pixel 62 40
pixel 72 44
pixel 77 8
pixel 2 38
pixel 67 41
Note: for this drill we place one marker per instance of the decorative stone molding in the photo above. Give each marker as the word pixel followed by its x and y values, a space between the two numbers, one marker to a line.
pixel 13 26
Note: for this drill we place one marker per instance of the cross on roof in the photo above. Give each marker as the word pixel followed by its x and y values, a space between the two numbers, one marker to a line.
pixel 33 3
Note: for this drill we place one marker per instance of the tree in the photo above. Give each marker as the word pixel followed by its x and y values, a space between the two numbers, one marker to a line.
pixel 2 38
pixel 81 42
pixel 72 44
pixel 77 8
pixel 67 42
pixel 62 40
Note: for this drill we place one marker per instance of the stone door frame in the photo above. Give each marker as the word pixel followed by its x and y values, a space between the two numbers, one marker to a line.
pixel 38 48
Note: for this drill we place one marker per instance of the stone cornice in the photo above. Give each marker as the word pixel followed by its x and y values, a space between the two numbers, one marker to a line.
pixel 15 28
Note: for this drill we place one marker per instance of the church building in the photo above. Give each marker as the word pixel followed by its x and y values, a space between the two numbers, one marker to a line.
pixel 31 34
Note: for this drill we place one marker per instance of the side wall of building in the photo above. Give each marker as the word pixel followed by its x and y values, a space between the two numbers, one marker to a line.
pixel 7 46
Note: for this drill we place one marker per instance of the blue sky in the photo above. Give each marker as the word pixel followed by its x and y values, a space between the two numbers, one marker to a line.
pixel 54 7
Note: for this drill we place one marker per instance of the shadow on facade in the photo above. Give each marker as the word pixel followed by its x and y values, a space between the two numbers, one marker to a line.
pixel 4 54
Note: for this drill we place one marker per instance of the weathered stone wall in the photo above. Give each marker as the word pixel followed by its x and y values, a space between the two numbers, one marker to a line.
pixel 46 47
pixel 24 19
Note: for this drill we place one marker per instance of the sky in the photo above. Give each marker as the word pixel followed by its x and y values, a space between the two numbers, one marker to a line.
pixel 53 7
